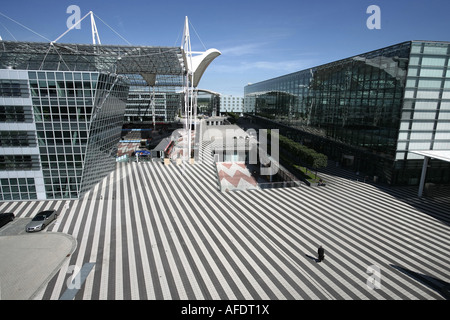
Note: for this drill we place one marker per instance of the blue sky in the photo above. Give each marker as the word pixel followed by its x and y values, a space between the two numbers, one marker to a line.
pixel 259 39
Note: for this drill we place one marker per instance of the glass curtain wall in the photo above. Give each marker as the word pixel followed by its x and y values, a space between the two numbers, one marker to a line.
pixel 166 99
pixel 348 109
pixel 78 118
pixel 425 120
pixel 105 129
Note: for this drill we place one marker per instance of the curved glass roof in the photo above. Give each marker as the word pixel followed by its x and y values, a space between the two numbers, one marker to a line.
pixel 88 57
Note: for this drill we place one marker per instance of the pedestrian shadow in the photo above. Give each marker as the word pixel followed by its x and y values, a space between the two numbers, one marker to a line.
pixel 440 286
pixel 312 258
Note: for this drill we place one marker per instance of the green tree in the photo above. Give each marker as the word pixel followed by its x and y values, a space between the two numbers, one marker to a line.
pixel 308 156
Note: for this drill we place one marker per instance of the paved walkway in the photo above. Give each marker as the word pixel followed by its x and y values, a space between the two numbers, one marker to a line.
pixel 29 261
pixel 166 232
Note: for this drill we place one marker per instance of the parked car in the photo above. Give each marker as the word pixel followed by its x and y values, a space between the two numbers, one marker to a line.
pixel 6 217
pixel 41 220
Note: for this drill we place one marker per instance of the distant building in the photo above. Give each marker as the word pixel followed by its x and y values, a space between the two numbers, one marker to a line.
pixel 229 103
pixel 159 104
pixel 208 102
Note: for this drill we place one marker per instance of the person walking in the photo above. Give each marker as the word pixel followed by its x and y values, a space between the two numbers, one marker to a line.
pixel 321 254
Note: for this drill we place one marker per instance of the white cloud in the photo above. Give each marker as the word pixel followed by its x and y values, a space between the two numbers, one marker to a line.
pixel 244 49
pixel 283 66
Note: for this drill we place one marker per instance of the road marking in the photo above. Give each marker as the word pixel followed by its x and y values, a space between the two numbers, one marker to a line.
pixel 70 293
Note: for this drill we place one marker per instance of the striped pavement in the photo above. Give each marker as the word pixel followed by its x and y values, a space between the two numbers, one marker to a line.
pixel 166 232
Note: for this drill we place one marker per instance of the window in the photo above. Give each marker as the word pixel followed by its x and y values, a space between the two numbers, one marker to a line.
pixel 437 73
pixel 17 189
pixel 433 61
pixel 427 94
pixel 16 114
pixel 424 115
pixel 17 139
pixel 19 162
pixel 424 83
pixel 426 105
pixel 435 50
pixel 14 88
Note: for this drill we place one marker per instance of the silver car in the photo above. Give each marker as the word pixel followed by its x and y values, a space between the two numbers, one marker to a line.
pixel 41 220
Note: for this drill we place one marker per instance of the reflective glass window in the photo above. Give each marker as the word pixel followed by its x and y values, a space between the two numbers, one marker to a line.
pixel 433 61
pixel 431 72
pixel 426 83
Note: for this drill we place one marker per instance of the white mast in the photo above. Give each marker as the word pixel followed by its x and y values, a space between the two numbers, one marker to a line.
pixel 95 36
pixel 94 30
pixel 188 90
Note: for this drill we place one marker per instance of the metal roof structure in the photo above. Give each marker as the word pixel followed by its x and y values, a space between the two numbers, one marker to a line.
pixel 149 61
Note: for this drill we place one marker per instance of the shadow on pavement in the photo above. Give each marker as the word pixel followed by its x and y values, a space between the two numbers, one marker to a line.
pixel 440 286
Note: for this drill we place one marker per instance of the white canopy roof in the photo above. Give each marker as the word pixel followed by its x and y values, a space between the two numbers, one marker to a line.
pixel 443 155
pixel 201 62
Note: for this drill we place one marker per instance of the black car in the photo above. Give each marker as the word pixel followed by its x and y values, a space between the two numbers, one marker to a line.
pixel 6 217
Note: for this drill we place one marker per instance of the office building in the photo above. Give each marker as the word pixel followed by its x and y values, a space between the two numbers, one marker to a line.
pixel 230 103
pixel 208 102
pixel 152 105
pixel 369 112
pixel 62 109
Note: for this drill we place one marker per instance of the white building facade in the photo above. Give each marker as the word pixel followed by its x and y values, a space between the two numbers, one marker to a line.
pixel 230 103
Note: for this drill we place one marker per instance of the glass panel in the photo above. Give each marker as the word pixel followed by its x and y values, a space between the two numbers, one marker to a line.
pixel 409 94
pixel 446 95
pixel 427 94
pixel 441 145
pixel 413 71
pixel 414 61
pixel 426 126
pixel 416 48
pixel 423 83
pixel 444 116
pixel 426 105
pixel 400 156
pixel 424 115
pixel 442 136
pixel 433 61
pixel 431 72
pixel 419 145
pixel 435 50
pixel 411 83
pixel 421 135
pixel 442 126
pixel 404 125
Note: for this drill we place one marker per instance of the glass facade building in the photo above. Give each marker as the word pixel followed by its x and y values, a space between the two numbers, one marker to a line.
pixel 368 111
pixel 62 110
pixel 208 103
pixel 231 104
pixel 66 126
pixel 159 103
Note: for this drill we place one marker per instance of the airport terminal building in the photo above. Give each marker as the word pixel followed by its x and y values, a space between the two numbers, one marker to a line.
pixel 62 109
pixel 369 112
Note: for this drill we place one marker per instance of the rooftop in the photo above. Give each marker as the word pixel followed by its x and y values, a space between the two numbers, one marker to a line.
pixel 148 61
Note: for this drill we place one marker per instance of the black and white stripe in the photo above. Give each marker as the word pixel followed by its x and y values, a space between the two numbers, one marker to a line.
pixel 167 232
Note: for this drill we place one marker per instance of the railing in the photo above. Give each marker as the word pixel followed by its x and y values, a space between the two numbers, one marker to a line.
pixel 280 184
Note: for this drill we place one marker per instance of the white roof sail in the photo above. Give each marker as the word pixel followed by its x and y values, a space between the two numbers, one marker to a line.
pixel 196 62
pixel 201 62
